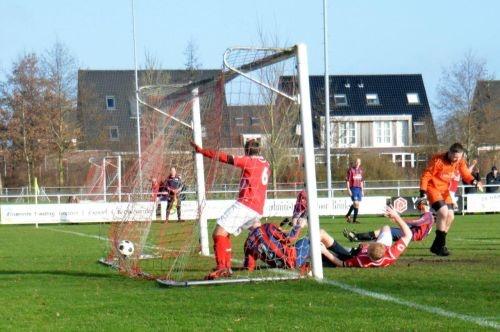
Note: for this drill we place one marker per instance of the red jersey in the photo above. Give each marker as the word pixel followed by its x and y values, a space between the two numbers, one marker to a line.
pixel 391 255
pixel 155 187
pixel 422 226
pixel 355 177
pixel 255 171
pixel 271 245
pixel 300 207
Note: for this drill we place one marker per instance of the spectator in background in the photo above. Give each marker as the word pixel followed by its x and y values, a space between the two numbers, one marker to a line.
pixel 475 174
pixel 491 179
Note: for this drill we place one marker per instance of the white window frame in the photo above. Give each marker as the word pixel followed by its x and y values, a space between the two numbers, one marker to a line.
pixel 111 138
pixel 372 99
pixel 114 103
pixel 384 133
pixel 419 126
pixel 399 132
pixel 350 139
pixel 239 121
pixel 413 98
pixel 255 121
pixel 340 95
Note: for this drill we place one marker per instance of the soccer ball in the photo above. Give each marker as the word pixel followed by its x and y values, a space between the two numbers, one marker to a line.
pixel 126 248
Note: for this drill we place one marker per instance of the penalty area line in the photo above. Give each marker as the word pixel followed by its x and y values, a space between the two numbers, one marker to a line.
pixel 433 310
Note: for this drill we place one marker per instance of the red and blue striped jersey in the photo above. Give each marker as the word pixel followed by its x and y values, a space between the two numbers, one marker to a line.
pixel 271 245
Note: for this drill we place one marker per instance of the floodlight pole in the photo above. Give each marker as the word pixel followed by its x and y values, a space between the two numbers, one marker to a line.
pixel 327 104
pixel 200 174
pixel 137 112
pixel 309 161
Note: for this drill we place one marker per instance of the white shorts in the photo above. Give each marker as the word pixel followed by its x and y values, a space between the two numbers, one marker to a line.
pixel 385 238
pixel 237 218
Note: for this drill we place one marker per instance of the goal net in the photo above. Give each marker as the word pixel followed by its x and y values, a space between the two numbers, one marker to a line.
pixel 261 94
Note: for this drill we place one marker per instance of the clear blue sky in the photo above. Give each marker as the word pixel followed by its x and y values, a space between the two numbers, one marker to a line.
pixel 365 36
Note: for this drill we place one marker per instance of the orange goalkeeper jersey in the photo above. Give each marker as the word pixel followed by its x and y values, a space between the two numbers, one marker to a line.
pixel 440 172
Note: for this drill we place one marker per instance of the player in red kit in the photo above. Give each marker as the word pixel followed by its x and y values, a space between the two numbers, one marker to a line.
pixel 247 209
pixel 376 254
pixel 355 187
pixel 420 227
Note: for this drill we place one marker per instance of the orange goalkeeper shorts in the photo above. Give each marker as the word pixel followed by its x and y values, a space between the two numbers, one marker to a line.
pixel 434 196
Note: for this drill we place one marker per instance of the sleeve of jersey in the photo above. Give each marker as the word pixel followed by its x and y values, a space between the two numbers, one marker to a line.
pixel 351 262
pixel 219 155
pixel 465 173
pixel 397 248
pixel 428 174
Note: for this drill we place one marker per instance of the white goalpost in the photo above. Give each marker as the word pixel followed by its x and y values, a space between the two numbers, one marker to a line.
pixel 268 87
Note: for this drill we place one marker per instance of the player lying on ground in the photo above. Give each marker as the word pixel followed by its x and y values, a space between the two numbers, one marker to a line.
pixel 381 253
pixel 435 184
pixel 420 227
pixel 277 247
pixel 247 209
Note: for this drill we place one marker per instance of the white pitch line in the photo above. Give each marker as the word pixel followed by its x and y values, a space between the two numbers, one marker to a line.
pixel 379 296
pixel 433 310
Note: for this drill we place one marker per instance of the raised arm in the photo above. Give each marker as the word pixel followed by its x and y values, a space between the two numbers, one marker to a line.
pixel 213 154
pixel 394 216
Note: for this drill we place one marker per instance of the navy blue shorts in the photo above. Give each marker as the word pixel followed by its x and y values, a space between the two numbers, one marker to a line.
pixel 357 194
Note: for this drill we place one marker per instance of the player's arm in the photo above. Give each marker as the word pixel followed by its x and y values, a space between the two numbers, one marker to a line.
pixel 347 180
pixel 213 154
pixel 330 256
pixel 467 177
pixel 394 216
pixel 427 175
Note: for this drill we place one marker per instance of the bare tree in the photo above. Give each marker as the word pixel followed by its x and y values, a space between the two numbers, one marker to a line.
pixel 60 70
pixel 192 61
pixel 23 99
pixel 458 119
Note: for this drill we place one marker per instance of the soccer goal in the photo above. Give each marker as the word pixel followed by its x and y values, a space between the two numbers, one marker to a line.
pixel 260 94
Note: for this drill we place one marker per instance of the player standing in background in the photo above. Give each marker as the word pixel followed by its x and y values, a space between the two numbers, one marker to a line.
pixel 174 186
pixel 435 183
pixel 247 209
pixel 355 187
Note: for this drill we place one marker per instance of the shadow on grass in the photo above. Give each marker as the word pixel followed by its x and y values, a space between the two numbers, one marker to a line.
pixel 55 272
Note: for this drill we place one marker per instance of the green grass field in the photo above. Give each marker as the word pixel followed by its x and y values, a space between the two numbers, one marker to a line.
pixel 50 280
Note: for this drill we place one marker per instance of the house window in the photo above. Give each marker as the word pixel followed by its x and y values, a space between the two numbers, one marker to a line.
pixel 347 134
pixel 254 121
pixel 238 122
pixel 419 127
pixel 372 99
pixel 402 135
pixel 382 131
pixel 110 102
pixel 114 133
pixel 413 98
pixel 340 100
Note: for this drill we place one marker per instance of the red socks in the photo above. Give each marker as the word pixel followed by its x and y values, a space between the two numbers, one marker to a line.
pixel 222 249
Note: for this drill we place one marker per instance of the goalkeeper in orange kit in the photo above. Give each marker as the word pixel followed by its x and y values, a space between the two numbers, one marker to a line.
pixel 435 183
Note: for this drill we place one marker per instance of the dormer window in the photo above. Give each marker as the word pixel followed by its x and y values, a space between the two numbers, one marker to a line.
pixel 110 103
pixel 413 98
pixel 340 100
pixel 372 99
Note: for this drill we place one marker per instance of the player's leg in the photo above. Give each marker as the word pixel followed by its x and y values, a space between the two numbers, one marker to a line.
pixel 385 236
pixel 356 193
pixel 438 246
pixel 332 245
pixel 170 203
pixel 178 207
pixel 359 237
pixel 348 215
pixel 235 219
